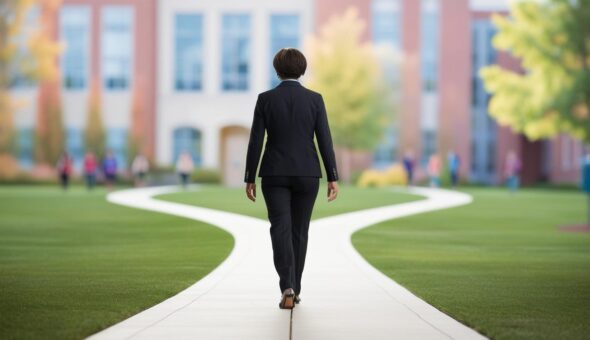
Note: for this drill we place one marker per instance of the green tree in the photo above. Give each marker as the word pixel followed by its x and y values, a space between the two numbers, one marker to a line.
pixel 94 133
pixel 347 73
pixel 552 40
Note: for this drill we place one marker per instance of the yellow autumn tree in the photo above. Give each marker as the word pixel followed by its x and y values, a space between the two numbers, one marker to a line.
pixel 29 53
pixel 347 72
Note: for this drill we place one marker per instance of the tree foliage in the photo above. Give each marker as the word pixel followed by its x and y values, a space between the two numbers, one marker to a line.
pixel 347 73
pixel 27 52
pixel 49 132
pixel 552 40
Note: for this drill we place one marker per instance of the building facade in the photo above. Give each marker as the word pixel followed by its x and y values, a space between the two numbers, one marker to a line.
pixel 109 48
pixel 184 75
pixel 213 60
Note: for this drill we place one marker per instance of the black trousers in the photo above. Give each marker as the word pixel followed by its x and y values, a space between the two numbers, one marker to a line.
pixel 289 201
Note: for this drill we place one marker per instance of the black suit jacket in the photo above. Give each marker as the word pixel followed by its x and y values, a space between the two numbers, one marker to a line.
pixel 291 114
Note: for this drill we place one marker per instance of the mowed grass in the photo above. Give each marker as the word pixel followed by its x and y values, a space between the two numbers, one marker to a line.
pixel 350 198
pixel 72 264
pixel 499 265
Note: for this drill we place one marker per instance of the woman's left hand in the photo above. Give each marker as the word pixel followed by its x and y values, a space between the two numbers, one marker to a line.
pixel 251 191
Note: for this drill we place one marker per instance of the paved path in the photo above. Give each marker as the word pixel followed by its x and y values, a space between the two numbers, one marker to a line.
pixel 342 296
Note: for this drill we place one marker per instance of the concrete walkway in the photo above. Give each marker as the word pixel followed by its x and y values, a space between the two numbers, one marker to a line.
pixel 342 296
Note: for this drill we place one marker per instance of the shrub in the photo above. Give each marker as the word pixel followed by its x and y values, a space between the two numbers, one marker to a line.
pixel 393 175
pixel 203 175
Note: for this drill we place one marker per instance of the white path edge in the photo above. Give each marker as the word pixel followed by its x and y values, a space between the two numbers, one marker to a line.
pixel 343 296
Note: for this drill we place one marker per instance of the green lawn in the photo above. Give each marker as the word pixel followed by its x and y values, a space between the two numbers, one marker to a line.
pixel 350 198
pixel 72 264
pixel 499 265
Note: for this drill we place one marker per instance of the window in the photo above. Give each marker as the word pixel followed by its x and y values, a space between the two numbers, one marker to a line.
pixel 429 41
pixel 385 152
pixel 75 145
pixel 25 139
pixel 428 145
pixel 188 48
pixel 117 143
pixel 74 23
pixel 235 53
pixel 284 32
pixel 187 139
pixel 386 22
pixel 117 46
pixel 17 78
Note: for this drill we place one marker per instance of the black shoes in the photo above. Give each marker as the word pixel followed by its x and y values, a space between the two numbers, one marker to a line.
pixel 288 299
pixel 297 299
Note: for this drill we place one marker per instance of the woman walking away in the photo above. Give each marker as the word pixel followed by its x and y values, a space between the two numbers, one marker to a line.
pixel 90 167
pixel 139 169
pixel 184 168
pixel 64 168
pixel 291 114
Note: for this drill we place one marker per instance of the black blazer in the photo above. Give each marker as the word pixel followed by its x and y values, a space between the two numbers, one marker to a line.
pixel 291 114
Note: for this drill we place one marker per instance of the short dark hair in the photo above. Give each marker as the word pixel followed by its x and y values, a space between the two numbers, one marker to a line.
pixel 289 62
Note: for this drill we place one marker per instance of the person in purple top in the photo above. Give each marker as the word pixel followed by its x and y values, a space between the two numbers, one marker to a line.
pixel 109 168
pixel 408 162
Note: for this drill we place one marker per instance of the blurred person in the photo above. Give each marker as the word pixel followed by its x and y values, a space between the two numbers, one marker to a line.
pixel 409 164
pixel 90 167
pixel 64 169
pixel 184 168
pixel 454 163
pixel 109 168
pixel 434 167
pixel 291 114
pixel 512 170
pixel 139 169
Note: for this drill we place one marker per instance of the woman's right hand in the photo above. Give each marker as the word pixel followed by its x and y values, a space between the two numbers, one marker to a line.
pixel 332 190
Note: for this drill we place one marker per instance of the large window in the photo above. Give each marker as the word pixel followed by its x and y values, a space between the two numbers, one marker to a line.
pixel 386 22
pixel 117 46
pixel 117 143
pixel 25 139
pixel 429 44
pixel 75 145
pixel 386 25
pixel 483 127
pixel 74 27
pixel 284 32
pixel 188 48
pixel 187 139
pixel 235 52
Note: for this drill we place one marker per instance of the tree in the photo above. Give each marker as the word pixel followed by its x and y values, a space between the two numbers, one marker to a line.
pixel 27 53
pixel 94 133
pixel 135 137
pixel 347 73
pixel 49 132
pixel 552 40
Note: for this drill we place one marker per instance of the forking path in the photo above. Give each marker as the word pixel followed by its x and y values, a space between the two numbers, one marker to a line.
pixel 342 296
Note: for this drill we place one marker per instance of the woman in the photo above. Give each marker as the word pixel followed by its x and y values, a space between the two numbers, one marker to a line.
pixel 184 167
pixel 64 168
pixel 90 170
pixel 109 168
pixel 434 167
pixel 290 168
pixel 139 169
